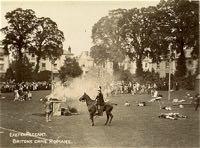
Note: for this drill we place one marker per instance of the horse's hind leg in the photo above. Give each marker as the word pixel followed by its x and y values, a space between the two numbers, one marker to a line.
pixel 111 117
pixel 91 117
pixel 107 118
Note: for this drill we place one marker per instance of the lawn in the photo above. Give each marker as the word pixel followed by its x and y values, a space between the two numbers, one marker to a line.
pixel 131 127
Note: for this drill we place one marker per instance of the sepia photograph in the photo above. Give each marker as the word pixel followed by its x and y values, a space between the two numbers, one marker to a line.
pixel 80 73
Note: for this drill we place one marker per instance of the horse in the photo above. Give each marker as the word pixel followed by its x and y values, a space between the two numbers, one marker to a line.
pixel 92 108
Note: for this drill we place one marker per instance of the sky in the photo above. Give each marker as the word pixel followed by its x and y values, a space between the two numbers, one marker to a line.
pixel 74 18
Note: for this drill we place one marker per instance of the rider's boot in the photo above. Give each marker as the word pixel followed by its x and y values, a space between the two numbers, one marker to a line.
pixel 100 112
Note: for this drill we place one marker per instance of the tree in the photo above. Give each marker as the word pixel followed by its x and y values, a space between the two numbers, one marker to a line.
pixel 26 70
pixel 70 69
pixel 43 76
pixel 180 20
pixel 181 68
pixel 126 76
pixel 106 39
pixel 99 54
pixel 9 74
pixel 150 76
pixel 47 41
pixel 18 34
pixel 158 40
pixel 135 30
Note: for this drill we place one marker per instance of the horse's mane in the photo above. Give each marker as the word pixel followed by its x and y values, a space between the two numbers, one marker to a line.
pixel 86 95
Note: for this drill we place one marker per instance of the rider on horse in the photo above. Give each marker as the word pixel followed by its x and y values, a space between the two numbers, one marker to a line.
pixel 100 102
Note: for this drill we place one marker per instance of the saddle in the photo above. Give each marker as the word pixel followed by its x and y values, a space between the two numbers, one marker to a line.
pixel 100 109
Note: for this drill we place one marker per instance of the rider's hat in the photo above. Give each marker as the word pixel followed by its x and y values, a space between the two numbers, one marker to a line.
pixel 99 89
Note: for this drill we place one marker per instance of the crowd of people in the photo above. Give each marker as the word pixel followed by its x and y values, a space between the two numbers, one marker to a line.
pixel 120 87
pixel 25 86
pixel 22 91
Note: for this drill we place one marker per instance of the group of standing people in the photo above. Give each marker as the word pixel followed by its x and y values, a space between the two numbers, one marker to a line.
pixel 20 95
pixel 33 86
pixel 133 88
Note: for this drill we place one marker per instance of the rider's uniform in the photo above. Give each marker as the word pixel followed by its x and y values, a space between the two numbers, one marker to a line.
pixel 100 102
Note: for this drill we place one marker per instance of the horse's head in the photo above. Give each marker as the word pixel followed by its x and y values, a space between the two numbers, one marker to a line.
pixel 83 98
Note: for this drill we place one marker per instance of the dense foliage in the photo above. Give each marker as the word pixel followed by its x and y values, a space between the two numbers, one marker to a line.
pixel 148 32
pixel 26 33
pixel 70 69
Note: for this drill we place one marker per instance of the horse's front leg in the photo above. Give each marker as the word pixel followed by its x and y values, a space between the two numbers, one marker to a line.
pixel 92 119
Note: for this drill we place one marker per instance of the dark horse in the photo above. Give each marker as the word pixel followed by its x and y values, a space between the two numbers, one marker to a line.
pixel 92 108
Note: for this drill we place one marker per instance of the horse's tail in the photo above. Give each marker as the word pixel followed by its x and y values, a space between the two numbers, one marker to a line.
pixel 113 103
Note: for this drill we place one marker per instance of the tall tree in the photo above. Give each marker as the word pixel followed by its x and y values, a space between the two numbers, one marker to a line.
pixel 181 19
pixel 47 41
pixel 105 36
pixel 135 30
pixel 18 34
pixel 159 40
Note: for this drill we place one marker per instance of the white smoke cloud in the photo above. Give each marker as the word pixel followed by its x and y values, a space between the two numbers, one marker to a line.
pixel 88 83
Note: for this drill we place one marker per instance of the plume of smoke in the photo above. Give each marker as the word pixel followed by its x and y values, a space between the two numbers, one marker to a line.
pixel 87 83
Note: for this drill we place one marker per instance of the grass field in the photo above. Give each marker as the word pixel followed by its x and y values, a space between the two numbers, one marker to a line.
pixel 131 127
